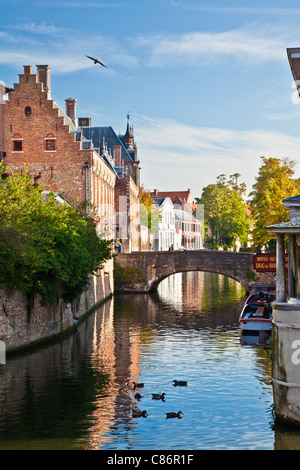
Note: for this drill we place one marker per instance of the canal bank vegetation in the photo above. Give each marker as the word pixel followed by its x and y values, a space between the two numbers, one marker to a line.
pixel 229 218
pixel 131 275
pixel 150 215
pixel 226 214
pixel 45 244
pixel 275 182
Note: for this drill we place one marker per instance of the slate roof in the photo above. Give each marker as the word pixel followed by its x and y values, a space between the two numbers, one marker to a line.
pixel 293 224
pixel 160 200
pixel 96 134
pixel 185 216
pixel 292 199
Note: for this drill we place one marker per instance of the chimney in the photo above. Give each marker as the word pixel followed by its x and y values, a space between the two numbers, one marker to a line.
pixel 43 76
pixel 118 155
pixel 155 192
pixel 84 122
pixel 71 108
pixel 27 69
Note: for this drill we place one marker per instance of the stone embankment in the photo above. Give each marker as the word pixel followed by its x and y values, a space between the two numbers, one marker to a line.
pixel 23 325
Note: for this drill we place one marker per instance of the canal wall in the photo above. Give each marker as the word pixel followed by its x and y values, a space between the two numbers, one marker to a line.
pixel 23 325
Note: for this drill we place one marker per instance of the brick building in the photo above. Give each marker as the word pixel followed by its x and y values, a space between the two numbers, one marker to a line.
pixel 36 132
pixel 120 153
pixel 81 162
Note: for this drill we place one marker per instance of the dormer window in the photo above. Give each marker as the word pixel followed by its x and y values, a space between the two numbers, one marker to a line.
pixel 50 143
pixel 17 143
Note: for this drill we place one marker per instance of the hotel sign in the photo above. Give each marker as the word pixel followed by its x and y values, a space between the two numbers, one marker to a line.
pixel 266 262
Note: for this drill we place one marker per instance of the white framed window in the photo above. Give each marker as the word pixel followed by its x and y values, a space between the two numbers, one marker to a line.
pixel 50 143
pixel 17 141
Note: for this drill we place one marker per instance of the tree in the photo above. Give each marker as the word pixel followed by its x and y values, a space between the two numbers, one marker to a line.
pixel 45 244
pixel 225 212
pixel 149 213
pixel 273 184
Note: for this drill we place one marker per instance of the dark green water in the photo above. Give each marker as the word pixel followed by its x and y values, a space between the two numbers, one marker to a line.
pixel 77 393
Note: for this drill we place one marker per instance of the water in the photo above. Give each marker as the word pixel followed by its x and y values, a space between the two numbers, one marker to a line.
pixel 77 393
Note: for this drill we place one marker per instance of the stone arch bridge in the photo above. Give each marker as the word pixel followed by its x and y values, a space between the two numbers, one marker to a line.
pixel 141 272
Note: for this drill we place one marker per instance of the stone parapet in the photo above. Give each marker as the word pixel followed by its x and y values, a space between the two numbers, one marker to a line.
pixel 143 271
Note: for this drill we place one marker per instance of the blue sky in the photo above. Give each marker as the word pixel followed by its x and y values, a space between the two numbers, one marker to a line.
pixel 207 83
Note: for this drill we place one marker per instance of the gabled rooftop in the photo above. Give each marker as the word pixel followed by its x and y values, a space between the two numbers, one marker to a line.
pixel 105 137
pixel 295 200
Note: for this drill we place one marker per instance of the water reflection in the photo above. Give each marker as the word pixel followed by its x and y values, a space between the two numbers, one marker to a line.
pixel 78 394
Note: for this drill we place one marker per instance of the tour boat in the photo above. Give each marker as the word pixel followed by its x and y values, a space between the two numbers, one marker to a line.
pixel 257 312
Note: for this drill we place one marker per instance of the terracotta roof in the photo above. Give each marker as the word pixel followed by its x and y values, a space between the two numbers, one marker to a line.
pixel 176 196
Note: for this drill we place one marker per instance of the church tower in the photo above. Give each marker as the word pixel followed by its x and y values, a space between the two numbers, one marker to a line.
pixel 132 166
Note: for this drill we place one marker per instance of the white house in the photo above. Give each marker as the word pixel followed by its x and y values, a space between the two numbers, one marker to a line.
pixel 188 230
pixel 165 234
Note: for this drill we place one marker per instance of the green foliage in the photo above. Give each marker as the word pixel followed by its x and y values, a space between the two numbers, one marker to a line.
pixel 273 184
pixel 150 216
pixel 252 276
pixel 45 244
pixel 127 275
pixel 225 214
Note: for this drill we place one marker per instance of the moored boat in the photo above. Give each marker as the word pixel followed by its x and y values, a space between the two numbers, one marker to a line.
pixel 257 312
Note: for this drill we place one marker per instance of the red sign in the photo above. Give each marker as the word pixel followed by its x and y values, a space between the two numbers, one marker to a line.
pixel 266 262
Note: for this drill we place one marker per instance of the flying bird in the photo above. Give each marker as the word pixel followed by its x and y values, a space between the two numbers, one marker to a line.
pixel 96 61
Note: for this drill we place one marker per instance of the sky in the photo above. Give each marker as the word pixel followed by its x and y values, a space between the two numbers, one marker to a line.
pixel 207 83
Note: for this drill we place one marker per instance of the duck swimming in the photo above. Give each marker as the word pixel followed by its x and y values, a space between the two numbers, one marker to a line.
pixel 181 383
pixel 158 396
pixel 174 415
pixel 139 413
pixel 138 385
pixel 137 396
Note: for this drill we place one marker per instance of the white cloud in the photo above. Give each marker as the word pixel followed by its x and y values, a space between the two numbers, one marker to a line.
pixel 62 48
pixel 175 156
pixel 252 43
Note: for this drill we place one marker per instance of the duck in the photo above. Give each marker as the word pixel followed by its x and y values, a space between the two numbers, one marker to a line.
pixel 174 415
pixel 137 396
pixel 158 396
pixel 139 413
pixel 181 383
pixel 138 385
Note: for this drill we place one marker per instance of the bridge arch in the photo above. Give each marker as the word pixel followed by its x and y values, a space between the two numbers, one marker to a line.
pixel 141 272
pixel 155 283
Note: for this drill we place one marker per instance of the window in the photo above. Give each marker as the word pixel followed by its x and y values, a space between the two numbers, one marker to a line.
pixel 27 111
pixel 17 143
pixel 50 143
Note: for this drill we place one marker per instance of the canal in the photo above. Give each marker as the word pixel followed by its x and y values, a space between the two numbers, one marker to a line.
pixel 78 393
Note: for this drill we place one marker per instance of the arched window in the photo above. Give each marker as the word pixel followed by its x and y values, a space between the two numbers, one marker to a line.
pixel 17 143
pixel 50 143
pixel 27 111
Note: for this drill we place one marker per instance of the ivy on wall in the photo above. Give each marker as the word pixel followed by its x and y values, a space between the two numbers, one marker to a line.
pixel 45 243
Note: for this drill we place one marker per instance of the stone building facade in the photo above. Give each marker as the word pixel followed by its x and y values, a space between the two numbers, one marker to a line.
pixel 120 153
